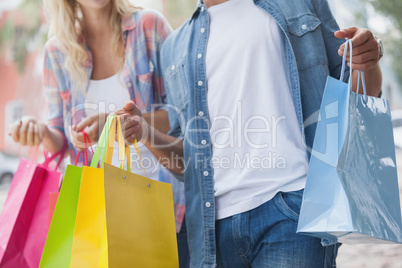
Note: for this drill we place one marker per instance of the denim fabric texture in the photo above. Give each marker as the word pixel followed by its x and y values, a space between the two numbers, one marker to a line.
pixel 310 54
pixel 265 237
pixel 182 246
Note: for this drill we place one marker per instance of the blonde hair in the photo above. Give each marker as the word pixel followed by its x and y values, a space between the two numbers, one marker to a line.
pixel 65 23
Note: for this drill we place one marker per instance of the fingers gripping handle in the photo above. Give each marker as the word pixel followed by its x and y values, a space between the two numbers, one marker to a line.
pixel 348 44
pixel 122 148
pixel 113 126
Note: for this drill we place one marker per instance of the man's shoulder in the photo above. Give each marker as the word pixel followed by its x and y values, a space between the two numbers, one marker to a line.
pixel 178 36
pixel 290 8
pixel 177 41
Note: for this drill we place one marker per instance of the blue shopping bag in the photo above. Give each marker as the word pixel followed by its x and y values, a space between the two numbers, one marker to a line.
pixel 352 194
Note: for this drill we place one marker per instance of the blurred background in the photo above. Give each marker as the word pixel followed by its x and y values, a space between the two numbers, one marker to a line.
pixel 23 32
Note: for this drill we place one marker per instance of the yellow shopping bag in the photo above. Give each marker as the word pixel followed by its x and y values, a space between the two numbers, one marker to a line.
pixel 140 226
pixel 90 220
pixel 90 240
pixel 140 219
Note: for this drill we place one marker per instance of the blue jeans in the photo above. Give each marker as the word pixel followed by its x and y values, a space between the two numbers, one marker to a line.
pixel 266 237
pixel 182 245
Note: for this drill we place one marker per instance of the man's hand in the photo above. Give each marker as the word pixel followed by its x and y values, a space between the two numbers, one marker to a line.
pixel 365 48
pixel 366 56
pixel 167 149
pixel 92 125
pixel 133 124
pixel 28 131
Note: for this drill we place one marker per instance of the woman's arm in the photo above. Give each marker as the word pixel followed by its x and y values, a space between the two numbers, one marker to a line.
pixel 31 131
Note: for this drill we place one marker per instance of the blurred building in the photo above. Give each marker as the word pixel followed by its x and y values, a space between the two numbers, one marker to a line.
pixel 356 13
pixel 20 91
pixel 21 94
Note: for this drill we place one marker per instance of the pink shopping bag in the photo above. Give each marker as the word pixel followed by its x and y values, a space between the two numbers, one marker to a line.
pixel 24 218
pixel 53 196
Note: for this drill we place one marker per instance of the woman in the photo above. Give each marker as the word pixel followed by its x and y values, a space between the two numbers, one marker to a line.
pixel 101 53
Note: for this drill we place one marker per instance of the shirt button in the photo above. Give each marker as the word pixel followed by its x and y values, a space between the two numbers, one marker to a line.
pixel 203 142
pixel 199 56
pixel 207 204
pixel 201 113
pixel 202 30
pixel 206 173
pixel 304 26
pixel 173 67
pixel 200 83
pixel 202 9
pixel 129 84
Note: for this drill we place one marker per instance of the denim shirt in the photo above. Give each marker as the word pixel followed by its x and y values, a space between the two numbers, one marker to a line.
pixel 310 54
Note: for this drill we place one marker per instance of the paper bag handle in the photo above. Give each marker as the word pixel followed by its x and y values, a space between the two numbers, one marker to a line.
pixel 59 154
pixel 126 149
pixel 348 44
pixel 112 126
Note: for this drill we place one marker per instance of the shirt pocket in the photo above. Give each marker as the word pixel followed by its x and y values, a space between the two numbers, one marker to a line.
pixel 307 41
pixel 144 87
pixel 144 93
pixel 145 80
pixel 177 82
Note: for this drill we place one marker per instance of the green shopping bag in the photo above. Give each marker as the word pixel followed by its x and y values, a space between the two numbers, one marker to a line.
pixel 57 251
pixel 59 242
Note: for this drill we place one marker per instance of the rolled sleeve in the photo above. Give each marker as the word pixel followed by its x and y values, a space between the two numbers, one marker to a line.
pixel 332 44
pixel 53 94
pixel 155 38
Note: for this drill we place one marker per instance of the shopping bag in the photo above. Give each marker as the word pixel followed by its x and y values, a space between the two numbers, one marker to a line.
pixel 58 247
pixel 24 219
pixel 352 194
pixel 53 196
pixel 89 237
pixel 57 250
pixel 140 218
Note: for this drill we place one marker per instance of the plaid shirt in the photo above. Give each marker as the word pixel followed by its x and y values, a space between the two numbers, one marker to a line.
pixel 143 34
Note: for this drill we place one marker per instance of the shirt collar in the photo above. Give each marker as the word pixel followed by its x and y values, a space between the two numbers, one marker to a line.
pixel 127 23
pixel 200 3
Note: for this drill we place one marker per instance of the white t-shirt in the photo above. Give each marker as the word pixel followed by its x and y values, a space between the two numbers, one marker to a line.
pixel 108 95
pixel 256 141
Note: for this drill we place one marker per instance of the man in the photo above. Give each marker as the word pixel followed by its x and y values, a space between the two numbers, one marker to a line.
pixel 241 77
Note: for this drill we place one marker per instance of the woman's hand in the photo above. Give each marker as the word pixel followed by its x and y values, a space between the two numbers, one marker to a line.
pixel 28 131
pixel 92 125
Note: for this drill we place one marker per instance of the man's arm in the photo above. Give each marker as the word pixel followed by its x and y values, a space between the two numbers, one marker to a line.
pixel 365 49
pixel 159 119
pixel 167 149
pixel 373 78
